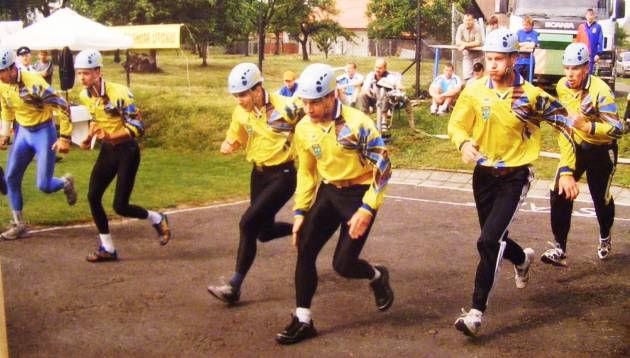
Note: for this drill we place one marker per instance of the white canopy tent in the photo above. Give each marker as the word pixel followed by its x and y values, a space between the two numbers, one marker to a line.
pixel 64 28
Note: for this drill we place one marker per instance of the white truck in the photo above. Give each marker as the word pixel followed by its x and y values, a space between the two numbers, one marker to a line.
pixel 557 23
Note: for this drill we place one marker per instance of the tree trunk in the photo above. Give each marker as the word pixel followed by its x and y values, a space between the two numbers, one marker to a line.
pixel 203 52
pixel 153 59
pixel 277 50
pixel 304 50
pixel 117 56
pixel 247 46
pixel 261 46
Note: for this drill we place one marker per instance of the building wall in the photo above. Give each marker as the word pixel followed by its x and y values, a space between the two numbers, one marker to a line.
pixel 357 47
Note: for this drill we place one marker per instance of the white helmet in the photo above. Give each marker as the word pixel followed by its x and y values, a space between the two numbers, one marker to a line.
pixel 243 77
pixel 88 59
pixel 501 40
pixel 575 54
pixel 316 81
pixel 6 58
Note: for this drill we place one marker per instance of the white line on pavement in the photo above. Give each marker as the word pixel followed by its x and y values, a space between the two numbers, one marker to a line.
pixel 532 208
pixel 469 190
pixel 124 221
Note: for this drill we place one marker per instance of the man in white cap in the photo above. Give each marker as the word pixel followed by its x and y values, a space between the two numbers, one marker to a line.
pixel 343 169
pixel 496 125
pixel 27 99
pixel 262 123
pixel 596 135
pixel 116 124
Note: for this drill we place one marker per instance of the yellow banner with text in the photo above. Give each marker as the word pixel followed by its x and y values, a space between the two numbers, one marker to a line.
pixel 152 36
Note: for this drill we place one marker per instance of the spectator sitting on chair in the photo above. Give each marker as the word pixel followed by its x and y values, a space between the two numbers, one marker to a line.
pixel 477 73
pixel 290 86
pixel 349 85
pixel 444 90
pixel 367 97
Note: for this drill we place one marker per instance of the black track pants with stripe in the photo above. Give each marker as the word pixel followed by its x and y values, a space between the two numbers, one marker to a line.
pixel 497 199
pixel 599 163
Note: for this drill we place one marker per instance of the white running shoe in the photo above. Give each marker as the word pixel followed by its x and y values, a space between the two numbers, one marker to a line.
pixel 554 256
pixel 521 276
pixel 434 108
pixel 15 231
pixel 469 322
pixel 226 293
pixel 604 248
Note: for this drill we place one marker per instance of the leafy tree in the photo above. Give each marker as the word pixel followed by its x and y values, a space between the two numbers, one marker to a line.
pixel 260 14
pixel 393 18
pixel 121 12
pixel 234 24
pixel 620 36
pixel 328 35
pixel 310 17
pixel 24 10
pixel 281 21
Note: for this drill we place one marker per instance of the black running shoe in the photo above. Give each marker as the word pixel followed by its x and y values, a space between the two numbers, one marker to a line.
pixel 383 293
pixel 296 332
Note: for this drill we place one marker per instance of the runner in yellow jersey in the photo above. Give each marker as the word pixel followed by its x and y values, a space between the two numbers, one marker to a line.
pixel 116 124
pixel 262 123
pixel 343 169
pixel 27 99
pixel 596 137
pixel 496 124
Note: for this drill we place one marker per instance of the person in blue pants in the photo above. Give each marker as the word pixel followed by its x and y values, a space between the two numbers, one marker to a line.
pixel 29 101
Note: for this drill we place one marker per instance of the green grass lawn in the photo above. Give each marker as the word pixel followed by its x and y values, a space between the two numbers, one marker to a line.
pixel 166 179
pixel 187 110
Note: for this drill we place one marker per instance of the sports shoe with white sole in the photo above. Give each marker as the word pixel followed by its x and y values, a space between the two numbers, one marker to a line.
pixel 14 232
pixel 226 293
pixel 554 256
pixel 434 108
pixel 604 248
pixel 521 272
pixel 469 322
pixel 163 230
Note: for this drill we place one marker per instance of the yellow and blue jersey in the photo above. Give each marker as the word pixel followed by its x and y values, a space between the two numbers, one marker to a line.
pixel 347 148
pixel 32 101
pixel 506 123
pixel 113 109
pixel 267 139
pixel 596 102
